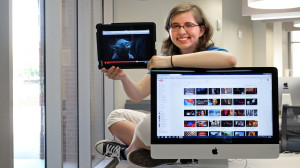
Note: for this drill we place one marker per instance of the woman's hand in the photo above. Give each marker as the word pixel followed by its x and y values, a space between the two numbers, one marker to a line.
pixel 159 62
pixel 114 73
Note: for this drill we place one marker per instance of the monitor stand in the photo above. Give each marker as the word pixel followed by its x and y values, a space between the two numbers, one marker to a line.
pixel 213 163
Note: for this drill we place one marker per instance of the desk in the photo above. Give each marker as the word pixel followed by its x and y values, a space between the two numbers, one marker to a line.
pixel 285 160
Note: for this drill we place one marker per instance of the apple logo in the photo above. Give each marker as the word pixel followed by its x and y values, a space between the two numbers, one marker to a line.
pixel 285 85
pixel 214 151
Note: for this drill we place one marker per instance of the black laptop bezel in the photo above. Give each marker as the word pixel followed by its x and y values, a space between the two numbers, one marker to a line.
pixel 103 46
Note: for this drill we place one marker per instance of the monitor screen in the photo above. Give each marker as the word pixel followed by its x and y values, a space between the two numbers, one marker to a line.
pixel 214 113
pixel 125 45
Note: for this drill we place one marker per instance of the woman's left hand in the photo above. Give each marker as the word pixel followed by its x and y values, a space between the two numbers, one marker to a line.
pixel 159 62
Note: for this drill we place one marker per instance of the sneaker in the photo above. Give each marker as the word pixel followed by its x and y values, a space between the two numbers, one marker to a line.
pixel 141 157
pixel 111 148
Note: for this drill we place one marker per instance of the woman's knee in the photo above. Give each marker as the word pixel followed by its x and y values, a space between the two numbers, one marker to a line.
pixel 114 116
pixel 125 114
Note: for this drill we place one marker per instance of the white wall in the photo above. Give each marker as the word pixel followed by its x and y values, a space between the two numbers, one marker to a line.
pixel 270 37
pixel 233 21
pixel 270 45
pixel 259 43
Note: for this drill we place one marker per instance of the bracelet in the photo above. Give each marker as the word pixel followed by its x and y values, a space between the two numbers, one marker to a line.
pixel 172 62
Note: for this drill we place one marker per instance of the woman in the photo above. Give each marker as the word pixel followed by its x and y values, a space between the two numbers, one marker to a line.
pixel 188 45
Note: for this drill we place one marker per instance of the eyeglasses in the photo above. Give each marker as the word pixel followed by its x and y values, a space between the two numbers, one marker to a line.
pixel 187 27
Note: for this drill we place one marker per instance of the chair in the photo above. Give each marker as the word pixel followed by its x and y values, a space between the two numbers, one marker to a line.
pixel 290 129
pixel 143 106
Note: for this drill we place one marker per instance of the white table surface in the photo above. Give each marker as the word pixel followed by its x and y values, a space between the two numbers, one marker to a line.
pixel 285 160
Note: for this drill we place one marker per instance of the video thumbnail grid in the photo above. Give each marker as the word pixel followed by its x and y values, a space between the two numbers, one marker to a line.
pixel 220 112
pixel 224 112
pixel 220 133
pixel 220 123
pixel 217 91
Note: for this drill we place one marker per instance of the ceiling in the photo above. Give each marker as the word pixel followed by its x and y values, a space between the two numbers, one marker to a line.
pixel 286 16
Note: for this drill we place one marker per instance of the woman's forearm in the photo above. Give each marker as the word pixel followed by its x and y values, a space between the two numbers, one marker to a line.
pixel 136 91
pixel 205 59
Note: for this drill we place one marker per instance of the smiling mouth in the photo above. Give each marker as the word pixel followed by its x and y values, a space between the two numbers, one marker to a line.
pixel 182 39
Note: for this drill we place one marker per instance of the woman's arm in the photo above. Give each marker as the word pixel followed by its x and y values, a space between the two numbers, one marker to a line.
pixel 136 91
pixel 203 59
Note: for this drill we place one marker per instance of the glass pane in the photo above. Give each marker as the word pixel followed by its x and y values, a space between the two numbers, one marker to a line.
pixel 28 84
pixel 69 83
pixel 295 55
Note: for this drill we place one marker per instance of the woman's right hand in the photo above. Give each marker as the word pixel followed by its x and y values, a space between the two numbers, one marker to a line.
pixel 114 73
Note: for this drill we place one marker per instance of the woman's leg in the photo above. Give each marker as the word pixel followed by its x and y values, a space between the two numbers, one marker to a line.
pixel 141 137
pixel 122 124
pixel 136 144
pixel 138 152
pixel 123 130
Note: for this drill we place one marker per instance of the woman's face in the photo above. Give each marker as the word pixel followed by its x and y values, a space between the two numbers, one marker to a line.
pixel 186 39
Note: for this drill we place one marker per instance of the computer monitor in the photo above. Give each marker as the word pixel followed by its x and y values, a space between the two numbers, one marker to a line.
pixel 214 113
pixel 291 86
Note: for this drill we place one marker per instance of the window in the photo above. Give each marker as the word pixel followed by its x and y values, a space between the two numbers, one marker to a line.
pixel 28 84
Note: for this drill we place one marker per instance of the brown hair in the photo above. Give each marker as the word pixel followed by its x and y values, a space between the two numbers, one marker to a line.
pixel 168 48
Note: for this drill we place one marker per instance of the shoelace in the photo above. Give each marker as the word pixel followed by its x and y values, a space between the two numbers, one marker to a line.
pixel 113 151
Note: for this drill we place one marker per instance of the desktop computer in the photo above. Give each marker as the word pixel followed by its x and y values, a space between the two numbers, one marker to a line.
pixel 214 114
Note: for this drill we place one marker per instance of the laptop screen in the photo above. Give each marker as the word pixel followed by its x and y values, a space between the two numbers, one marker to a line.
pixel 215 106
pixel 125 45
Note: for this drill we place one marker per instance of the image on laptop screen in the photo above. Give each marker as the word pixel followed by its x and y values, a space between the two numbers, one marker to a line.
pixel 202 106
pixel 125 45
